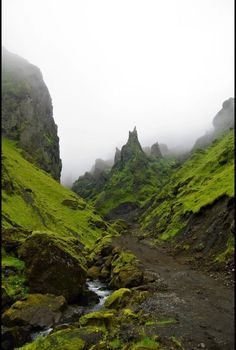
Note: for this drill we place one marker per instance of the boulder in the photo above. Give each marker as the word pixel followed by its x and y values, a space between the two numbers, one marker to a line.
pixel 128 276
pixel 36 311
pixel 118 299
pixel 14 337
pixel 98 318
pixel 93 272
pixel 125 271
pixel 53 265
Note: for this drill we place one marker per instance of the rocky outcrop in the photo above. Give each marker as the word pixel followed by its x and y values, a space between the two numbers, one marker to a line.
pixel 27 113
pixel 155 151
pixel 132 149
pixel 53 265
pixel 223 122
pixel 37 311
pixel 117 156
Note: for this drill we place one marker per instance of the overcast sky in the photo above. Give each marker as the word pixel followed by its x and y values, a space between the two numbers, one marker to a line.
pixel 165 66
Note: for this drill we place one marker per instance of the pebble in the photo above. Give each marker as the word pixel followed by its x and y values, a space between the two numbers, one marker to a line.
pixel 201 346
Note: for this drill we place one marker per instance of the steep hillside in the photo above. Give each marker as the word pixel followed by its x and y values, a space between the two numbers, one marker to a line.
pixel 133 179
pixel 32 200
pixel 91 183
pixel 27 113
pixel 195 208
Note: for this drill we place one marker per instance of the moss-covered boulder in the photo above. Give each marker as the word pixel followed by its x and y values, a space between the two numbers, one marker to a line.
pixel 36 311
pixel 125 271
pixel 71 338
pixel 65 339
pixel 101 318
pixel 118 299
pixel 93 272
pixel 54 265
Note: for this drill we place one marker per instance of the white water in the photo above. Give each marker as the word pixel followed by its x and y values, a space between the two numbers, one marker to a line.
pixel 100 289
pixel 96 286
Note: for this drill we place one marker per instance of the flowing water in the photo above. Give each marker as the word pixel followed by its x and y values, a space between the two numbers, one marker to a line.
pixel 93 285
pixel 101 290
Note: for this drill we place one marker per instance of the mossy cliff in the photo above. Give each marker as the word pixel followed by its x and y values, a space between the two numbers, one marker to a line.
pixel 27 113
pixel 195 208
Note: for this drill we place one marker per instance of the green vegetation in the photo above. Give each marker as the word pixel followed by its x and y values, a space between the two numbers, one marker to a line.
pixel 65 339
pixel 13 276
pixel 136 182
pixel 118 298
pixel 206 176
pixel 146 343
pixel 31 199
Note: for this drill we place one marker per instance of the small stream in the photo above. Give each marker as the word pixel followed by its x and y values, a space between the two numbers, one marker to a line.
pixel 101 290
pixel 95 286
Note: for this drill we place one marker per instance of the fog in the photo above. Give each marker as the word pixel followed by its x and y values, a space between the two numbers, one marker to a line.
pixel 163 66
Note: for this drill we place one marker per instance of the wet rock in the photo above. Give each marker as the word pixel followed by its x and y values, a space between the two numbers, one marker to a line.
pixel 71 314
pixel 6 299
pixel 105 273
pixel 88 298
pixel 106 250
pixel 37 311
pixel 14 337
pixel 53 266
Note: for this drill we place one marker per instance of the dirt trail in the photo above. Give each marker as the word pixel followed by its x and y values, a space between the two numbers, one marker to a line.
pixel 202 306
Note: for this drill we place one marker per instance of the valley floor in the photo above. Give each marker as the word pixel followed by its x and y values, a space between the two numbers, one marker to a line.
pixel 202 306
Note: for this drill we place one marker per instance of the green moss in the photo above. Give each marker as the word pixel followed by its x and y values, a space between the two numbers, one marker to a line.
pixel 35 203
pixel 98 318
pixel 68 339
pixel 15 283
pixel 118 298
pixel 123 259
pixel 135 182
pixel 146 343
pixel 116 344
pixel 198 182
pixel 228 253
pixel 10 261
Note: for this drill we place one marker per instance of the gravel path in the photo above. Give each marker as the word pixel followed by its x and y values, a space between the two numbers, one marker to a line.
pixel 202 306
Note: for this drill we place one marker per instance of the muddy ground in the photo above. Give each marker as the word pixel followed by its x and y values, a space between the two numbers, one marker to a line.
pixel 202 306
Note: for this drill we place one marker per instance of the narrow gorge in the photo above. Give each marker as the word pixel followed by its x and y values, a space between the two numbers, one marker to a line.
pixel 138 254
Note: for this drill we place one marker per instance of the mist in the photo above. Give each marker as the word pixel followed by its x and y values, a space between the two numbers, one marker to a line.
pixel 165 67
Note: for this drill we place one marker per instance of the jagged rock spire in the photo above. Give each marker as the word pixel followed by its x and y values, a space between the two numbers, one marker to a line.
pixel 132 148
pixel 117 156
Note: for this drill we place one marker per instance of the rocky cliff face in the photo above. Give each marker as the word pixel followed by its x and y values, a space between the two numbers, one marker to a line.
pixel 223 122
pixel 27 113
